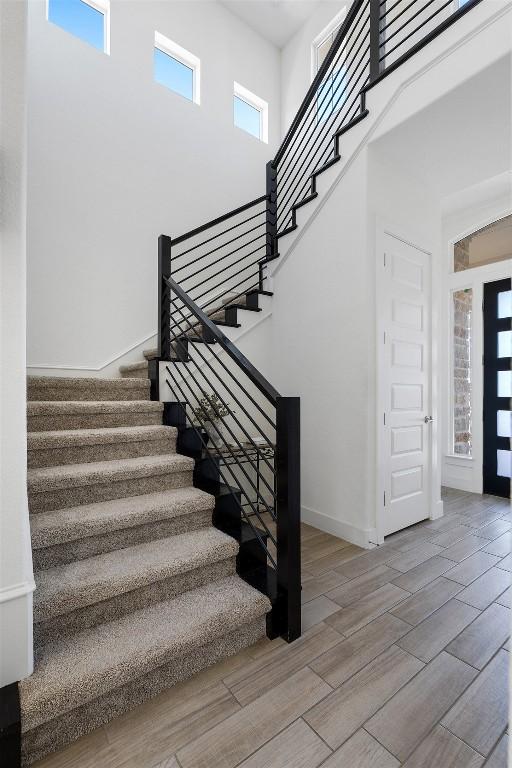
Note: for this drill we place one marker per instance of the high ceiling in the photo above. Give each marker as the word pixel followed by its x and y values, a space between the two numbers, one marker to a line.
pixel 275 20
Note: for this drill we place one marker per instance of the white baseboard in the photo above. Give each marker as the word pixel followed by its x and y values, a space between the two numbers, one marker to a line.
pixel 437 509
pixel 361 537
pixel 16 633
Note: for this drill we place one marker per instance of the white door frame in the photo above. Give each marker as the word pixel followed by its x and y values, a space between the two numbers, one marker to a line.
pixel 434 486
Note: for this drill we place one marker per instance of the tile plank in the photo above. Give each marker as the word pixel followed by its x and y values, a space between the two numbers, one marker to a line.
pixel 357 615
pixel 442 748
pixel 500 546
pixel 318 585
pixel 433 634
pixel 414 557
pixel 316 611
pixel 361 751
pixel 480 716
pixel 427 600
pixel 234 739
pixel 362 585
pixel 297 745
pixel 464 548
pixel 261 675
pixel 348 657
pixel 423 574
pixel 478 643
pixel 472 567
pixel 411 714
pixel 486 589
pixel 345 710
pixel 499 756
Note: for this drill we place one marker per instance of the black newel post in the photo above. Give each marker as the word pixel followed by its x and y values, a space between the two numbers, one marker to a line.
pixel 164 297
pixel 288 611
pixel 271 210
pixel 377 10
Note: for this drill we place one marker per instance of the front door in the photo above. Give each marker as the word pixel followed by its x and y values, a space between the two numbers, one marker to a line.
pixel 497 465
pixel 406 380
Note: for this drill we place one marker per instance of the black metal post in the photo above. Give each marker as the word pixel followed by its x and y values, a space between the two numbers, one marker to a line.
pixel 288 517
pixel 377 9
pixel 271 210
pixel 164 297
pixel 10 726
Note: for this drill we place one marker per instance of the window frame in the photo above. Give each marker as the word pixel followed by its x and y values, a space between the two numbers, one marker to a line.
pixel 188 59
pixel 329 30
pixel 256 102
pixel 103 7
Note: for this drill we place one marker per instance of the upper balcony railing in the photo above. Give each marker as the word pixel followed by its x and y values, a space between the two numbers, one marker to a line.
pixel 375 37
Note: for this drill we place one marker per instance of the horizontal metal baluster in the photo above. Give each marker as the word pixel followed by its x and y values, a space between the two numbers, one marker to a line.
pixel 224 232
pixel 319 162
pixel 234 274
pixel 310 116
pixel 316 147
pixel 332 123
pixel 255 424
pixel 413 32
pixel 230 448
pixel 219 220
pixel 391 8
pixel 406 23
pixel 212 457
pixel 212 288
pixel 223 245
pixel 206 267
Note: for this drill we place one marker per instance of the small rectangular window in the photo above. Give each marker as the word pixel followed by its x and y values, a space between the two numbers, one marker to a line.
pixel 250 113
pixel 461 372
pixel 87 19
pixel 176 68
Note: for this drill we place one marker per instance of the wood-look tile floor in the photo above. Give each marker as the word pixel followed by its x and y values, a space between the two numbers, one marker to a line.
pixel 403 662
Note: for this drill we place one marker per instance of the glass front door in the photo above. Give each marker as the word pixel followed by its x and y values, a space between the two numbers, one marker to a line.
pixel 497 465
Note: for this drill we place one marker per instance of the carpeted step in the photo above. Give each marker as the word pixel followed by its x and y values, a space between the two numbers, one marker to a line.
pixel 138 370
pixel 80 595
pixel 85 681
pixel 53 488
pixel 80 446
pixel 150 354
pixel 49 416
pixel 76 533
pixel 57 388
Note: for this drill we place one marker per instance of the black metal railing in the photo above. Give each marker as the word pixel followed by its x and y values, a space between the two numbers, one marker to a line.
pixel 217 263
pixel 249 452
pixel 252 462
pixel 375 37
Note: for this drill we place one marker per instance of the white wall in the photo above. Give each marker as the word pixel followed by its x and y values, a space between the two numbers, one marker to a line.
pixel 296 59
pixel 427 142
pixel 115 159
pixel 16 580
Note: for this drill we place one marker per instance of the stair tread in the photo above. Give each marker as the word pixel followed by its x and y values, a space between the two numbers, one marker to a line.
pixel 98 436
pixel 71 523
pixel 72 475
pixel 76 670
pixel 55 382
pixel 66 588
pixel 58 407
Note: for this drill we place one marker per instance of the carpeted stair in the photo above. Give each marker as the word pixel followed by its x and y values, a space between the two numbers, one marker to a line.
pixel 136 590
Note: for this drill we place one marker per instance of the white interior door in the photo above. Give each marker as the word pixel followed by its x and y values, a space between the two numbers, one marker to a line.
pixel 405 381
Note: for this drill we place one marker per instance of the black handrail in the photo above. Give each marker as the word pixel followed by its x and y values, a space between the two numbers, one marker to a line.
pixel 218 220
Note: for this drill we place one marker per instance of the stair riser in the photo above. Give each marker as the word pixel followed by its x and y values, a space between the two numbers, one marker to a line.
pixel 85 454
pixel 139 373
pixel 55 734
pixel 58 627
pixel 61 394
pixel 45 501
pixel 70 551
pixel 92 421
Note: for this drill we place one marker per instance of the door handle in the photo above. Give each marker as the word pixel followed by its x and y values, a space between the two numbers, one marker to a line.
pixel 428 419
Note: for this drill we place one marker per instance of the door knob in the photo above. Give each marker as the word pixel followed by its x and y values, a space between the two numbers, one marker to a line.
pixel 428 419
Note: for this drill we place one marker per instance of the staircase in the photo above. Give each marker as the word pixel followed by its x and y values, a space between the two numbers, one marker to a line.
pixel 136 590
